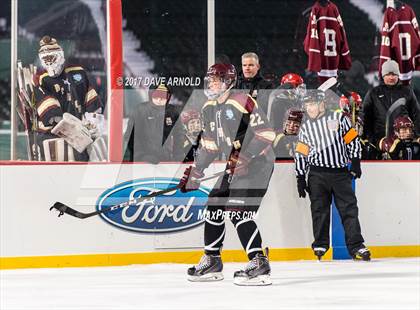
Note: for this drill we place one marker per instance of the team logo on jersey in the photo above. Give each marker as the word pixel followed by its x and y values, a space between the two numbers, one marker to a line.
pixel 170 212
pixel 229 114
pixel 77 77
pixel 332 124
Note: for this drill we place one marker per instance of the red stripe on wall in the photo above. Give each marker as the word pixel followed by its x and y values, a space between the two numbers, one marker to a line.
pixel 117 99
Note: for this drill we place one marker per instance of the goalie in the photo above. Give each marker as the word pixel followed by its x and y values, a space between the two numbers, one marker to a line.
pixel 69 109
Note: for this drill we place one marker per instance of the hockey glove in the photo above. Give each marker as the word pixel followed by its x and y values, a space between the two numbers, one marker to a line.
pixel 238 163
pixel 302 187
pixel 355 169
pixel 190 181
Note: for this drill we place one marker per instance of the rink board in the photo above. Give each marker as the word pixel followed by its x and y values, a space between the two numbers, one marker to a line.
pixel 32 236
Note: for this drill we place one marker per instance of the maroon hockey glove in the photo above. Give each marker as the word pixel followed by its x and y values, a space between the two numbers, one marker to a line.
pixel 238 163
pixel 387 144
pixel 190 181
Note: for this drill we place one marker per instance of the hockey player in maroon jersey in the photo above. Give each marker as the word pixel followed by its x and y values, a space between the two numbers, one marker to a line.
pixel 402 144
pixel 192 126
pixel 236 129
pixel 62 88
pixel 401 40
pixel 285 113
pixel 325 42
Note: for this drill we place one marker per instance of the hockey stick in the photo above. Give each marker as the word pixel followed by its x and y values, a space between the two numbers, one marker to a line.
pixel 62 208
pixel 328 84
pixel 392 108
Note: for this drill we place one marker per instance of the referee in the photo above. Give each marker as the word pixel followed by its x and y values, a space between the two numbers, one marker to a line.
pixel 326 144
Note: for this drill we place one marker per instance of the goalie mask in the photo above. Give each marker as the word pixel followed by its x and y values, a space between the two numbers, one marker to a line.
pixel 403 128
pixel 292 122
pixel 191 121
pixel 220 78
pixel 51 56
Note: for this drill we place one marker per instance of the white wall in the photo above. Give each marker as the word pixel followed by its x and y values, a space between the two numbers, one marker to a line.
pixel 388 197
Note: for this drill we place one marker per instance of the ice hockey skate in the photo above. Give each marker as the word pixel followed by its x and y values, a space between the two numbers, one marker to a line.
pixel 256 273
pixel 207 270
pixel 319 252
pixel 362 254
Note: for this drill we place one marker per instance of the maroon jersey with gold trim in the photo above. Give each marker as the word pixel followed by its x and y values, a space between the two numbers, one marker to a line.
pixel 401 40
pixel 325 42
pixel 69 92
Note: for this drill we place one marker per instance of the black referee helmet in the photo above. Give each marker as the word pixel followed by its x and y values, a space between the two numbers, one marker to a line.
pixel 314 96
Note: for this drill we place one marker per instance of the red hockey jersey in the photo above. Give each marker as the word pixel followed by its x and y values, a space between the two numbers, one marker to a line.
pixel 401 40
pixel 325 42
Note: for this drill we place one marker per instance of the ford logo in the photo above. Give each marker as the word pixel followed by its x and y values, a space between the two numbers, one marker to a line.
pixel 170 212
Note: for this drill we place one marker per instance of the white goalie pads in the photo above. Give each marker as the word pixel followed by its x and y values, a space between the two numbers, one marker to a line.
pixel 71 129
pixel 56 150
pixel 98 150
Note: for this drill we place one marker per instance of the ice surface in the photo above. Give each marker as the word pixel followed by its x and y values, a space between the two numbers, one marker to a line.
pixel 380 284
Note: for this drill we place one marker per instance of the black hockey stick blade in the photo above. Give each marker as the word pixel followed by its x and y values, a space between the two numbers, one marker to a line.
pixel 64 209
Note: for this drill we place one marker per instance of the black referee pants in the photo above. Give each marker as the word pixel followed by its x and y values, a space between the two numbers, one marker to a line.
pixel 324 184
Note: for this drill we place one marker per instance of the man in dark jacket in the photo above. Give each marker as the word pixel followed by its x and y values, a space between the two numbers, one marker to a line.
pixel 251 79
pixel 378 106
pixel 153 131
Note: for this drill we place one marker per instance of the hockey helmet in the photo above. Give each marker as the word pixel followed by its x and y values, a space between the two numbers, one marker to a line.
pixel 401 122
pixel 291 78
pixel 51 56
pixel 292 121
pixel 357 99
pixel 314 96
pixel 191 120
pixel 354 100
pixel 344 103
pixel 225 74
pixel 314 102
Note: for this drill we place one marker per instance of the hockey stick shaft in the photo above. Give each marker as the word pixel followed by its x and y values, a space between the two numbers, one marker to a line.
pixel 64 209
pixel 328 84
pixel 392 108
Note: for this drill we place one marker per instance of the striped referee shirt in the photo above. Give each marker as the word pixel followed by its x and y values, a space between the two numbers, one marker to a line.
pixel 329 141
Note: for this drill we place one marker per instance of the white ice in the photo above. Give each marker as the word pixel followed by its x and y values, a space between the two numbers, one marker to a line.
pixel 379 284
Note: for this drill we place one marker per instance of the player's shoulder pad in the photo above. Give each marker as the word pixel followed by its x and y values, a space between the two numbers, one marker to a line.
pixel 73 68
pixel 209 103
pixel 242 102
pixel 278 138
pixel 40 77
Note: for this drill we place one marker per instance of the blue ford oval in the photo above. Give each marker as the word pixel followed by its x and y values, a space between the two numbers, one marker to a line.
pixel 173 211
